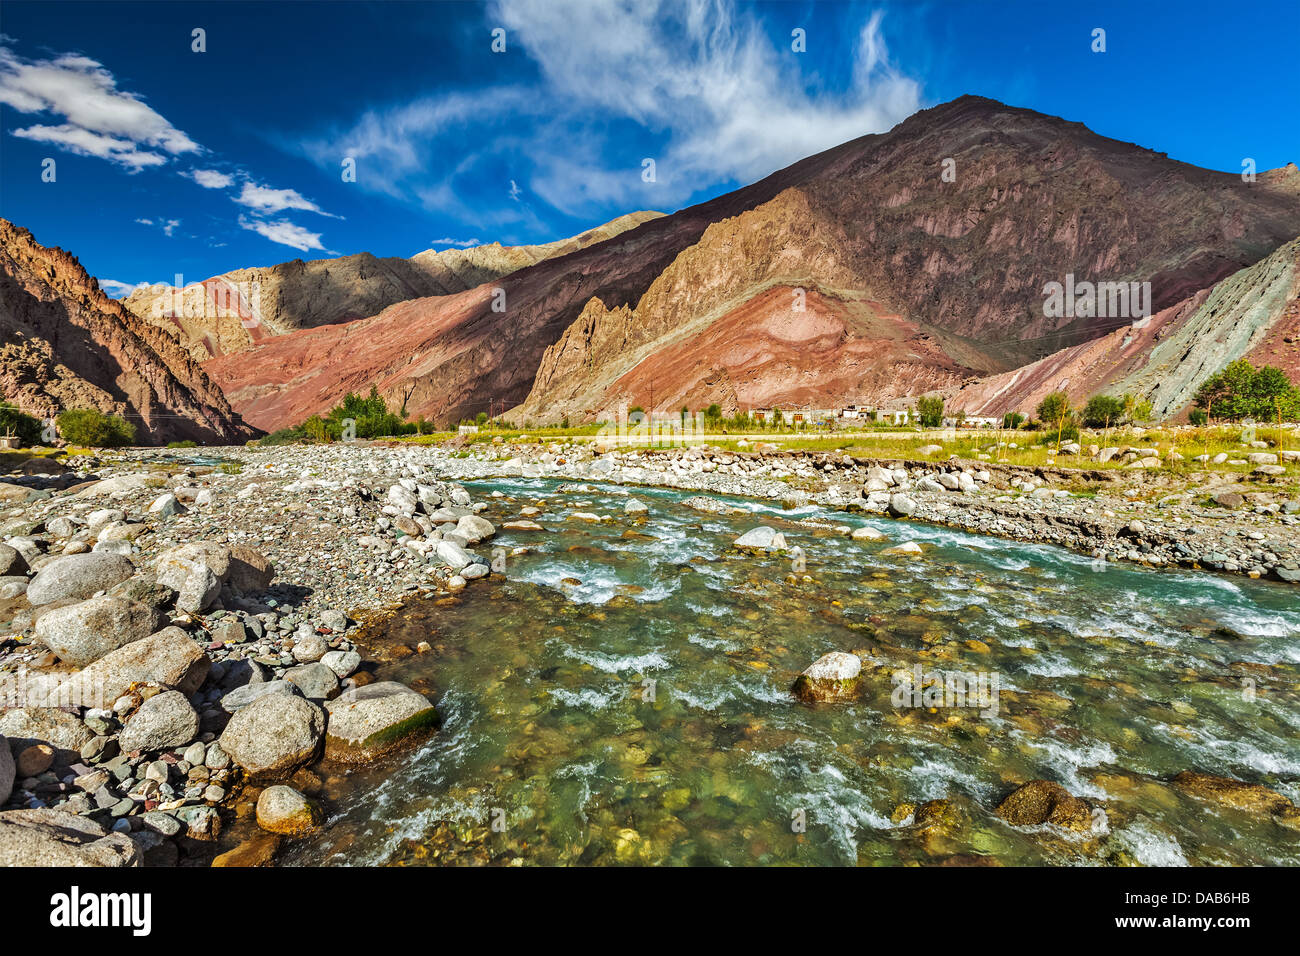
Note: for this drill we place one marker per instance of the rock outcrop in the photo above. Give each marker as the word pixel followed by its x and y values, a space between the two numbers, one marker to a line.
pixel 65 344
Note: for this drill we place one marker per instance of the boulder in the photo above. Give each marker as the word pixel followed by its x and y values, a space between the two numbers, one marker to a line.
pixel 162 722
pixel 1230 793
pixel 634 507
pixel 54 838
pixel 274 735
pixel 11 562
pixel 474 529
pixel 900 505
pixel 282 809
pixel 169 658
pixel 200 588
pixel 242 696
pixel 908 549
pixel 342 663
pixel 762 538
pixel 866 533
pixel 371 720
pixel 1043 801
pixel 316 681
pixel 453 555
pixel 28 726
pixel 831 677
pixel 83 633
pixel 78 576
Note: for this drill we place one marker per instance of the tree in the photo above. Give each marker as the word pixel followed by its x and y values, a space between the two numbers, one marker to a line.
pixel 713 413
pixel 929 408
pixel 1055 409
pixel 88 426
pixel 480 419
pixel 1012 420
pixel 1242 391
pixel 1103 411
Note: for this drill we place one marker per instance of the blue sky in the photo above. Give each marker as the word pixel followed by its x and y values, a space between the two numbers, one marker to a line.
pixel 173 161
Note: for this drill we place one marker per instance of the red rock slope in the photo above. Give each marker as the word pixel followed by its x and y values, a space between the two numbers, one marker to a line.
pixel 65 344
pixel 962 264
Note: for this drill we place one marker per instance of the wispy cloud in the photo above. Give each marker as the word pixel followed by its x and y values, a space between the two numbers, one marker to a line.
pixel 458 243
pixel 97 118
pixel 285 233
pixel 722 100
pixel 265 200
pixel 168 226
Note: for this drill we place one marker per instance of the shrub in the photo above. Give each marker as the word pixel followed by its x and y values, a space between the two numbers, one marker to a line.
pixel 183 444
pixel 1055 409
pixel 90 427
pixel 1012 420
pixel 1198 416
pixel 26 427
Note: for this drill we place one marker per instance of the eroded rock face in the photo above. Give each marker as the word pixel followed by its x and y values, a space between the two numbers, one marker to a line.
pixel 56 838
pixel 1043 801
pixel 68 345
pixel 831 677
pixel 371 720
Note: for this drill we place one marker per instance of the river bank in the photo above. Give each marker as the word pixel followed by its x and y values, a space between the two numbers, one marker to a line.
pixel 340 535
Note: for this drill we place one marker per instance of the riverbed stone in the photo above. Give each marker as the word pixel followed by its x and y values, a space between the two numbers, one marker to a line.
pixel 368 721
pixel 169 658
pixel 1230 793
pixel 163 721
pixel 78 576
pixel 43 837
pixel 762 538
pixel 8 771
pixel 28 726
pixel 831 677
pixel 274 735
pixel 282 809
pixel 1044 801
pixel 316 681
pixel 342 663
pixel 242 696
pixel 84 632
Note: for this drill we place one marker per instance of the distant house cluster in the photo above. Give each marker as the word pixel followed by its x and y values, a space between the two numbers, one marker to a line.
pixel 851 416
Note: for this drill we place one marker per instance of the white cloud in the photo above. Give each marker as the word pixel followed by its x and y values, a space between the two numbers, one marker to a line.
pixel 168 226
pixel 264 200
pixel 285 233
pixel 724 101
pixel 458 243
pixel 98 119
pixel 210 178
pixel 119 290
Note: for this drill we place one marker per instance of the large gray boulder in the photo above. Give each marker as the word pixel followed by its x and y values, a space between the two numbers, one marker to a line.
pixel 56 838
pixel 831 677
pixel 274 735
pixel 315 680
pixel 371 720
pixel 162 722
pixel 475 529
pixel 28 726
pixel 82 633
pixel 242 696
pixel 11 561
pixel 168 657
pixel 78 576
pixel 762 538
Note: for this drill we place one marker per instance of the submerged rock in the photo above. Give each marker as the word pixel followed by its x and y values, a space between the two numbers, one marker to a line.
pixel 1043 801
pixel 831 677
pixel 1227 792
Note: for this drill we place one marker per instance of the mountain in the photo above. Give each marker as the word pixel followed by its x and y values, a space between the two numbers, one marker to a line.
pixel 230 312
pixel 865 273
pixel 65 344
pixel 1252 314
